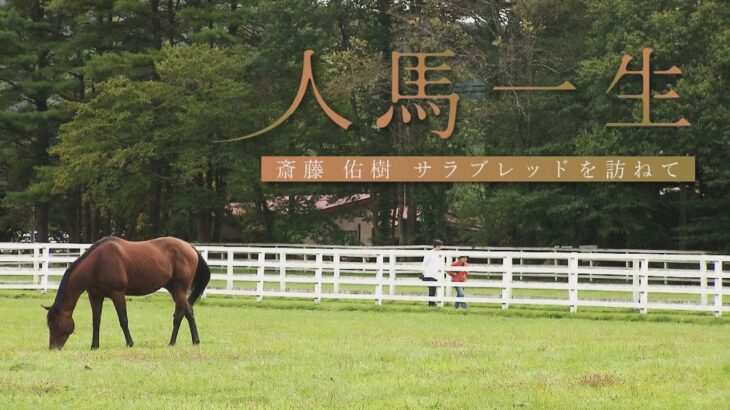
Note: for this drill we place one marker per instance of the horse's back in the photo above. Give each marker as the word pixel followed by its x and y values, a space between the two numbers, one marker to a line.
pixel 183 256
pixel 141 268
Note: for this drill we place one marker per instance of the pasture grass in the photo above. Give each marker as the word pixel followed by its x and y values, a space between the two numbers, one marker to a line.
pixel 296 354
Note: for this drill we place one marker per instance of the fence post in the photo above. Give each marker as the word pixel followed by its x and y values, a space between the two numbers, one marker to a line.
pixel 441 284
pixel 260 277
pixel 590 275
pixel 643 287
pixel 703 282
pixel 36 265
pixel 448 285
pixel 336 273
pixel 229 271
pixel 391 274
pixel 506 281
pixel 379 280
pixel 318 278
pixel 573 282
pixel 718 288
pixel 636 266
pixel 282 271
pixel 45 267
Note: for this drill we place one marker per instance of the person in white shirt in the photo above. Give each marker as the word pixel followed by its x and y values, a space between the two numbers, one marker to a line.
pixel 431 264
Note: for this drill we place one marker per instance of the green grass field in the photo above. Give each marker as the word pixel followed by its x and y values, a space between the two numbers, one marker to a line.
pixel 295 354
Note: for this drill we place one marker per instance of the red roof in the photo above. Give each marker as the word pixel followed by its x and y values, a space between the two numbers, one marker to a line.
pixel 325 202
pixel 328 202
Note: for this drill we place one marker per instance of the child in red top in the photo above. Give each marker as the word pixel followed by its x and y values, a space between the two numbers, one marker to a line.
pixel 459 276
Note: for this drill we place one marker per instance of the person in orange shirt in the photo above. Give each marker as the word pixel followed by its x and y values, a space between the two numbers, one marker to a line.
pixel 459 276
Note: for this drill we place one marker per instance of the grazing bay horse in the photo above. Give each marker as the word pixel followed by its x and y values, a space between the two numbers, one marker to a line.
pixel 113 268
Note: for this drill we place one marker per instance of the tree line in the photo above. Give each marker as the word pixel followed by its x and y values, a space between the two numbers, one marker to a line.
pixel 111 112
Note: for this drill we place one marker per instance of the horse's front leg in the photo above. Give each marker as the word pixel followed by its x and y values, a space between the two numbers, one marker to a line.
pixel 97 303
pixel 120 303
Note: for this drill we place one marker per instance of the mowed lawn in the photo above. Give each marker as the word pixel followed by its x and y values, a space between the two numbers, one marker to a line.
pixel 295 354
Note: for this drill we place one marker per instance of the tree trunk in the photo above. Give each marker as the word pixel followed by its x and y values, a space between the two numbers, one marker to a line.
pixel 93 223
pixel 267 218
pixel 203 227
pixel 85 223
pixel 218 225
pixel 155 23
pixel 219 210
pixel 75 218
pixel 412 217
pixel 400 208
pixel 154 211
pixel 233 28
pixel 171 11
pixel 41 222
pixel 106 226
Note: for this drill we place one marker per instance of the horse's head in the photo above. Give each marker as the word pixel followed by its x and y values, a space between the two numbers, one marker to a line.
pixel 60 327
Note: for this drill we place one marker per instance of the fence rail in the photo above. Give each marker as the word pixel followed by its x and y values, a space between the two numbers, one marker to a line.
pixel 640 281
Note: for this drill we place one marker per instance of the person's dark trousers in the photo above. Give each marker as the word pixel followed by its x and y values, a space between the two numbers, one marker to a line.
pixel 431 290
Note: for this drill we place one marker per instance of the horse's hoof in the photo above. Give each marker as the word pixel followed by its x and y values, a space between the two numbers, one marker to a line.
pixel 130 344
pixel 196 342
pixel 94 347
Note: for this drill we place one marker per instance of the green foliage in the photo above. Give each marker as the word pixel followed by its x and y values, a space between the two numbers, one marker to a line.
pixel 543 43
pixel 140 139
pixel 110 113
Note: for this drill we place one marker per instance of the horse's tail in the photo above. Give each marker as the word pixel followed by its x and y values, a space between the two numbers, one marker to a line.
pixel 200 280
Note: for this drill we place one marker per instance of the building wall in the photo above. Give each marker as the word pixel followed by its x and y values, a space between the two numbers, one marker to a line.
pixel 360 227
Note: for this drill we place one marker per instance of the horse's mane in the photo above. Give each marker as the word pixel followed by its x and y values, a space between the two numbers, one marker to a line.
pixel 64 281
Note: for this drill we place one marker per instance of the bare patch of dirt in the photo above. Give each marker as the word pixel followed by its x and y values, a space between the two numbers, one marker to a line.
pixel 598 380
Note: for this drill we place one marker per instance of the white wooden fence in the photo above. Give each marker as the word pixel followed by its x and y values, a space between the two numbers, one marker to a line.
pixel 626 280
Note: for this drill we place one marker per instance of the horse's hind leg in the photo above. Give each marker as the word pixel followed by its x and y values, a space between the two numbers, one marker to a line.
pixel 120 303
pixel 182 308
pixel 97 302
pixel 193 328
pixel 176 319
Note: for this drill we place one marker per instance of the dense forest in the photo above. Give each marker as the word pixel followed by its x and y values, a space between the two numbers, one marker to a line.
pixel 111 113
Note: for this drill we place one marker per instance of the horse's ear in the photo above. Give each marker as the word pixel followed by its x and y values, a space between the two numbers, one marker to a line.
pixel 46 307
